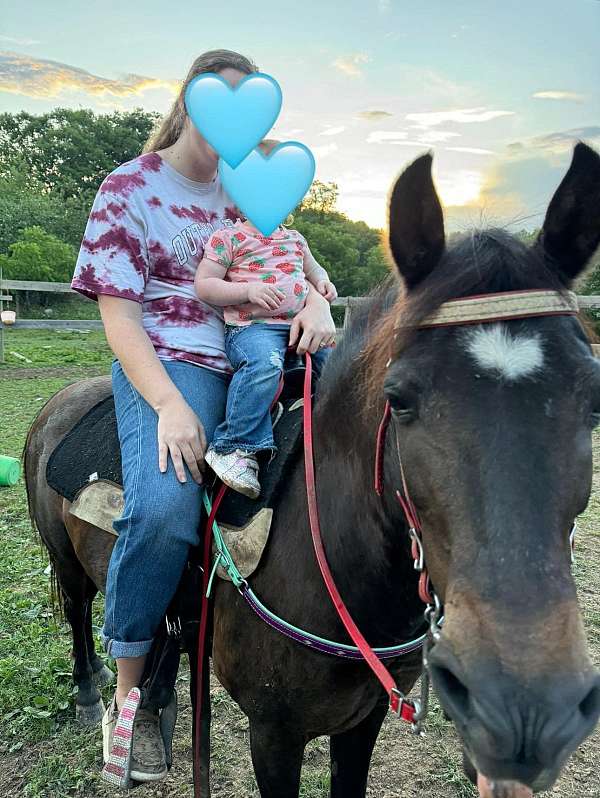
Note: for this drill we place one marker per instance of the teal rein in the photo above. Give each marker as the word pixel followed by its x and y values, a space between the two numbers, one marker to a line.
pixel 224 559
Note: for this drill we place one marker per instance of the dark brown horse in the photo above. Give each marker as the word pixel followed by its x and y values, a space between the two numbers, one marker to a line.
pixel 494 424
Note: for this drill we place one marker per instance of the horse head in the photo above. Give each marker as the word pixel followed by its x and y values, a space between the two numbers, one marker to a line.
pixel 494 424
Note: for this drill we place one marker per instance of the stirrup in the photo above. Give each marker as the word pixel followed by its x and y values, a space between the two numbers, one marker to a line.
pixel 117 770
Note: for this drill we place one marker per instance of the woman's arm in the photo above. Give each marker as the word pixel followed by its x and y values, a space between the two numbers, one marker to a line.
pixel 313 328
pixel 180 432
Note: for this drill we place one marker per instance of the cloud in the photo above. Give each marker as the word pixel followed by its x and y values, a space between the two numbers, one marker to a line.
pixel 474 150
pixel 435 136
pixel 460 188
pixel 555 143
pixel 460 116
pixel 559 95
pixel 37 77
pixel 350 64
pixel 373 115
pixel 19 42
pixel 333 131
pixel 323 150
pixel 379 136
pixel 383 6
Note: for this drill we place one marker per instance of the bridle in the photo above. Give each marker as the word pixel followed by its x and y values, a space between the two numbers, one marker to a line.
pixel 470 310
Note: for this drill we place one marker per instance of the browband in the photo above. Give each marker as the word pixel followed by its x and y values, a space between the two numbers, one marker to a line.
pixel 485 308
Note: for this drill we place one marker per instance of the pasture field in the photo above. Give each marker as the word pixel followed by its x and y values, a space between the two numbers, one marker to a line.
pixel 44 754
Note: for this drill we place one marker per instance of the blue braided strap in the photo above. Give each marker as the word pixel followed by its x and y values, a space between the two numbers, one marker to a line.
pixel 308 639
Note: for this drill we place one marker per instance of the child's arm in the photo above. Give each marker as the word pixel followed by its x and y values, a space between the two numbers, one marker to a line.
pixel 318 276
pixel 212 287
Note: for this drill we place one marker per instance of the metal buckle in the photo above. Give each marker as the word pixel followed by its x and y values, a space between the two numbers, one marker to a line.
pixel 174 627
pixel 419 562
pixel 433 613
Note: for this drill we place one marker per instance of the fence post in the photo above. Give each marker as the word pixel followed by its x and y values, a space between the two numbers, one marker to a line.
pixel 1 322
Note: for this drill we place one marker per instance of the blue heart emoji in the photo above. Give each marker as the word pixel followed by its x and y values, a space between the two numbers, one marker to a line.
pixel 233 120
pixel 267 188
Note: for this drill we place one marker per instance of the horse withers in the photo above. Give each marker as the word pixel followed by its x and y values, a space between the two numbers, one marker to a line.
pixel 493 425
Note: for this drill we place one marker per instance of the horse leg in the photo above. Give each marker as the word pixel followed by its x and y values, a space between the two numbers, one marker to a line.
pixel 88 702
pixel 277 758
pixel 102 675
pixel 351 755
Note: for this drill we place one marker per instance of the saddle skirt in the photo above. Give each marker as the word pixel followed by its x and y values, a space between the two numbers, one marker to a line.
pixel 101 502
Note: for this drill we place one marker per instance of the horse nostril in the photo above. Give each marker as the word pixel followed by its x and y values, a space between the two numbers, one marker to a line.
pixel 453 693
pixel 590 706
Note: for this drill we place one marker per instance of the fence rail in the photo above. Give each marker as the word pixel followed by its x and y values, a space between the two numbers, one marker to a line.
pixel 347 302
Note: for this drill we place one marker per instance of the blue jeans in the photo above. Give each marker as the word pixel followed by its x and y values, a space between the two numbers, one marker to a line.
pixel 257 353
pixel 161 515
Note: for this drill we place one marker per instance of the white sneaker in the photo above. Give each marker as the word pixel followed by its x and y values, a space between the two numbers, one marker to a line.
pixel 238 470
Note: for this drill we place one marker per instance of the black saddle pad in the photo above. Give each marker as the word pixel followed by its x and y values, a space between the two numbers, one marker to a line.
pixel 91 451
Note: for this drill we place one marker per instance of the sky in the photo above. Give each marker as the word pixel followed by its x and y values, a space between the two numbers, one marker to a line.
pixel 499 92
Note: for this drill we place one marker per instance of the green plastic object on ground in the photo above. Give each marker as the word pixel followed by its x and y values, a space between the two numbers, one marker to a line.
pixel 10 470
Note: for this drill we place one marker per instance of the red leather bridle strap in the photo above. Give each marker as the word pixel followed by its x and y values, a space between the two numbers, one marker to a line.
pixel 398 703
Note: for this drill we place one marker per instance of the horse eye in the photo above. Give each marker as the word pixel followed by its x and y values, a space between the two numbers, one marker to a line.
pixel 404 406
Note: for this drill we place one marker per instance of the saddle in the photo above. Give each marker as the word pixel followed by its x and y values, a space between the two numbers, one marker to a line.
pixel 85 468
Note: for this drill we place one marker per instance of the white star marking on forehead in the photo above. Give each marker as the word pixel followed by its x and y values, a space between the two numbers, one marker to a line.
pixel 511 357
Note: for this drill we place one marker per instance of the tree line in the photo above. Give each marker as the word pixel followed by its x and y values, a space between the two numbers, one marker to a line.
pixel 52 164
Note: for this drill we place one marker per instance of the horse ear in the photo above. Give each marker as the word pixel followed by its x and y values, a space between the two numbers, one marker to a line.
pixel 571 230
pixel 416 223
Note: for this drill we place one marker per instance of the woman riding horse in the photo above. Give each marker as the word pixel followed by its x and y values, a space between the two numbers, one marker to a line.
pixel 143 242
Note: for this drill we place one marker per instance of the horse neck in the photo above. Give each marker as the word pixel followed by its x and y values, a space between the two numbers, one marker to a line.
pixel 365 535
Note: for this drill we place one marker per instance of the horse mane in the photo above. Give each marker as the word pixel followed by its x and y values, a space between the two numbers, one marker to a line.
pixel 478 262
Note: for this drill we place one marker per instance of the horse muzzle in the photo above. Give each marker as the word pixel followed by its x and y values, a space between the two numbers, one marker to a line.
pixel 512 731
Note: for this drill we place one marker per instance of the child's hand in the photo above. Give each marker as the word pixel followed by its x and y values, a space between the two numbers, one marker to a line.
pixel 327 289
pixel 265 296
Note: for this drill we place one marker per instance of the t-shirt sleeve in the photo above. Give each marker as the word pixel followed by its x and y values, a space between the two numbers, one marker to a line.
pixel 113 258
pixel 219 248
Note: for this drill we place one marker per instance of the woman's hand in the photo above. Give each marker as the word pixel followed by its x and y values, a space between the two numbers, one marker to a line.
pixel 181 435
pixel 313 327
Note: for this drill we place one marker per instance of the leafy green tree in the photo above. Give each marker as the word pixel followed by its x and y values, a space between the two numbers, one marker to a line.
pixel 69 152
pixel 38 255
pixel 25 204
pixel 320 200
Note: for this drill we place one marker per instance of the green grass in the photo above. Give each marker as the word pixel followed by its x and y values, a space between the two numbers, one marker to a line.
pixel 51 348
pixel 35 669
pixel 52 757
pixel 62 306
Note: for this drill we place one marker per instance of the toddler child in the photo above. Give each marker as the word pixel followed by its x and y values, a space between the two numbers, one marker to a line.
pixel 261 282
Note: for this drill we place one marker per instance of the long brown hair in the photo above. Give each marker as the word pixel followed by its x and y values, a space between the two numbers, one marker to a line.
pixel 171 126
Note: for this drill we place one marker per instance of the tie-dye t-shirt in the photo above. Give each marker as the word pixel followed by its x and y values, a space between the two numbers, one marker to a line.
pixel 276 260
pixel 144 240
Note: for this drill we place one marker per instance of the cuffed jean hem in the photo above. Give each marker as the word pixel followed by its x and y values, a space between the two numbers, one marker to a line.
pixel 117 649
pixel 227 447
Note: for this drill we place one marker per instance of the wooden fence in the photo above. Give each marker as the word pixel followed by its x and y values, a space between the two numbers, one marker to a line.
pixel 15 286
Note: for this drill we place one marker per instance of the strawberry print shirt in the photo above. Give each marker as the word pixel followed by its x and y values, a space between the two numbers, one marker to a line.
pixel 277 260
pixel 144 240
